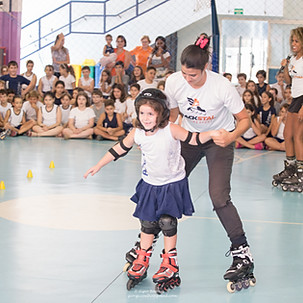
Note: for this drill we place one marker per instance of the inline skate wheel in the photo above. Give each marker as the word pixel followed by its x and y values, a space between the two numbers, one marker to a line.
pixel 292 189
pixel 252 282
pixel 285 188
pixel 230 287
pixel 130 284
pixel 239 286
pixel 126 267
pixel 300 189
pixel 245 284
pixel 274 183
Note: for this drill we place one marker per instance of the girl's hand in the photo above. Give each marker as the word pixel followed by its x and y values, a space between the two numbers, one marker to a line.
pixel 45 128
pixel 93 170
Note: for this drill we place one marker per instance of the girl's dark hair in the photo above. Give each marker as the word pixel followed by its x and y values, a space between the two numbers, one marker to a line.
pixel 255 93
pixel 84 94
pixel 156 47
pixel 261 72
pixel 59 82
pixel 109 79
pixel 132 76
pixel 252 109
pixel 270 95
pixel 121 37
pixel 122 89
pixel 194 57
pixel 136 85
pixel 68 68
pixel 16 97
pixel 50 94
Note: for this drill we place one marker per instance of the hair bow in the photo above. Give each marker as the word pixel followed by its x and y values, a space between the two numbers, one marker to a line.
pixel 202 42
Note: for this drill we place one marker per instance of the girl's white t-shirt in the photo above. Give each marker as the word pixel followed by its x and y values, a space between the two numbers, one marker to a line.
pixel 49 117
pixel 68 81
pixel 81 117
pixel 210 107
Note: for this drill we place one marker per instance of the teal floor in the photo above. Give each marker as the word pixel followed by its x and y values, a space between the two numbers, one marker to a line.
pixel 63 238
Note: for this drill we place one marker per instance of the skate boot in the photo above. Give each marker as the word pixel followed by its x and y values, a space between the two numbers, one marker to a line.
pixel 294 183
pixel 289 170
pixel 138 270
pixel 131 255
pixel 168 274
pixel 240 273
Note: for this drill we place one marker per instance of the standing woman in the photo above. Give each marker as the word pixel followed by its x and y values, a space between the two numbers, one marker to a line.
pixel 160 58
pixel 292 175
pixel 60 54
pixel 142 53
pixel 122 54
pixel 207 101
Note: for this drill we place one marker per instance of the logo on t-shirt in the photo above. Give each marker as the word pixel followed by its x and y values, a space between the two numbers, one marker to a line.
pixel 195 107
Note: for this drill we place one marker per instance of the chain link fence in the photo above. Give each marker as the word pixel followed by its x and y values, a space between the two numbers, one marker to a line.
pixel 254 35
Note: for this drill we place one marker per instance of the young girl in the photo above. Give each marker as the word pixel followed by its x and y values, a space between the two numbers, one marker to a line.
pixel 248 98
pixel 136 75
pixel 162 195
pixel 81 119
pixel 76 91
pixel 14 121
pixel 130 107
pixel 252 138
pixel 277 141
pixel 119 96
pixel 104 84
pixel 65 107
pixel 59 89
pixel 68 77
pixel 49 118
pixel 29 75
pixel 266 112
pixel 110 124
pixel 251 85
pixel 46 82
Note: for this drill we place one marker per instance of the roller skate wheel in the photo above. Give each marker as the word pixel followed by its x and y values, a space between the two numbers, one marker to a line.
pixel 231 287
pixel 274 183
pixel 285 188
pixel 126 267
pixel 245 284
pixel 300 189
pixel 130 284
pixel 292 189
pixel 252 282
pixel 159 289
pixel 239 286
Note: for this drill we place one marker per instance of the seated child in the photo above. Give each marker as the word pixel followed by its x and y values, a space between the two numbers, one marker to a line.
pixel 46 82
pixel 266 112
pixel 105 83
pixel 277 141
pixel 130 107
pixel 49 118
pixel 252 138
pixel 4 104
pixel 32 106
pixel 110 125
pixel 98 105
pixel 149 81
pixel 14 121
pixel 242 83
pixel 59 89
pixel 86 82
pixel 81 119
pixel 65 107
pixel 76 91
pixel 288 96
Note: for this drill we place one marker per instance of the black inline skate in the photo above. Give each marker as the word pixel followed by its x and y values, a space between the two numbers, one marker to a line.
pixel 131 255
pixel 240 273
pixel 138 270
pixel 294 183
pixel 167 277
pixel 289 171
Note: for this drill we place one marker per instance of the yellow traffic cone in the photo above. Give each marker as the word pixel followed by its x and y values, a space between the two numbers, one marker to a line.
pixel 29 174
pixel 2 186
pixel 52 165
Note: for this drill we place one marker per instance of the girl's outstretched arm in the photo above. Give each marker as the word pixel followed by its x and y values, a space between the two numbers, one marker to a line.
pixel 108 157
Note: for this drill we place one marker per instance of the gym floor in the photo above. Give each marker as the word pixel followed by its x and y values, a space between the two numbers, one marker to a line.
pixel 63 238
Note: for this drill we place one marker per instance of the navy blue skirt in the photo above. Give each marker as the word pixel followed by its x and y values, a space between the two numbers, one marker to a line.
pixel 170 199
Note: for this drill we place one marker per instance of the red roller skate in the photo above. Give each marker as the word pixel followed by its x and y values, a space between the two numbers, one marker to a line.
pixel 167 277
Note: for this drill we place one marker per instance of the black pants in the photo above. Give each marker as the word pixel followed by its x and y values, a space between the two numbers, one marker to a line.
pixel 219 162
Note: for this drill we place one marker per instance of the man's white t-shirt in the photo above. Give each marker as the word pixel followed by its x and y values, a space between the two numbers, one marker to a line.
pixel 210 107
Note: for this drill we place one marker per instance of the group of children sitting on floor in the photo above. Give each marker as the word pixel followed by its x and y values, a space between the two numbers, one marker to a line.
pixel 267 107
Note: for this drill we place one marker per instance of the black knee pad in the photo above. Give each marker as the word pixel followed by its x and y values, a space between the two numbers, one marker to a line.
pixel 168 225
pixel 150 227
